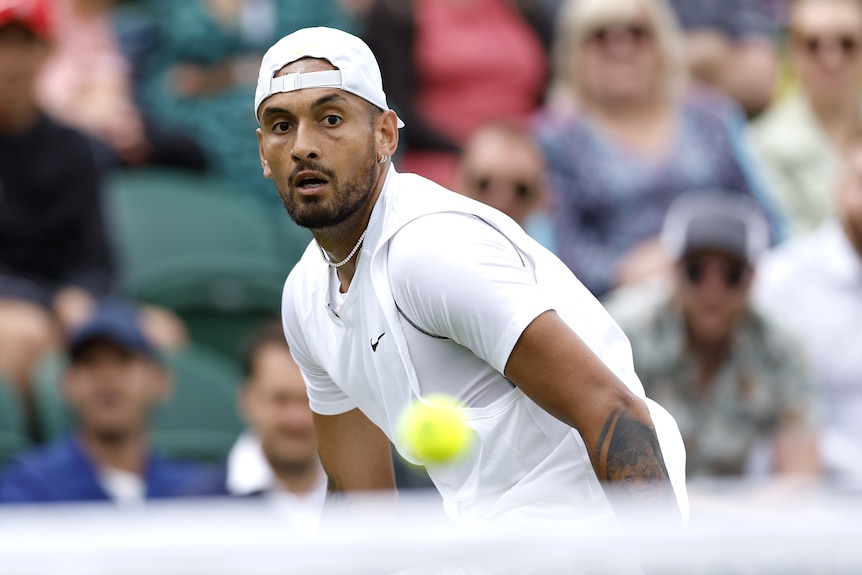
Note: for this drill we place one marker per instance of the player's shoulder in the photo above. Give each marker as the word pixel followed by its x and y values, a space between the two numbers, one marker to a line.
pixel 440 227
pixel 444 238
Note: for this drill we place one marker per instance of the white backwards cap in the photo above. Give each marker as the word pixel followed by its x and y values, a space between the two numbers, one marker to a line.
pixel 357 73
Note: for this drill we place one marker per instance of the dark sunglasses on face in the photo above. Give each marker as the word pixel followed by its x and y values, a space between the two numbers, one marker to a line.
pixel 523 190
pixel 637 32
pixel 815 45
pixel 732 273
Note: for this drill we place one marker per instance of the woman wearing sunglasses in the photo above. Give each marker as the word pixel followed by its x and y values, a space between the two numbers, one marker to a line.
pixel 802 138
pixel 625 133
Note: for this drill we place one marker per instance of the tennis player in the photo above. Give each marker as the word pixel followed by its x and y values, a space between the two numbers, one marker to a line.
pixel 409 290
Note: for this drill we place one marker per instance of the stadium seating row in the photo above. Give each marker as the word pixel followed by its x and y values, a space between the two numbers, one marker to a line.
pixel 195 245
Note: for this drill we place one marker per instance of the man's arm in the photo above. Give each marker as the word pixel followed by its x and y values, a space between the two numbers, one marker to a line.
pixel 355 453
pixel 796 453
pixel 555 368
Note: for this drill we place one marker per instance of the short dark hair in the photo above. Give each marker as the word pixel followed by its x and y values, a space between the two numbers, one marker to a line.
pixel 270 333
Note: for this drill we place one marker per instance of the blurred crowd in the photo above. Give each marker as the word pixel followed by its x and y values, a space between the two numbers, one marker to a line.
pixel 696 163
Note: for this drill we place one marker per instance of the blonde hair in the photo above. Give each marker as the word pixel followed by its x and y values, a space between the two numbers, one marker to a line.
pixel 580 17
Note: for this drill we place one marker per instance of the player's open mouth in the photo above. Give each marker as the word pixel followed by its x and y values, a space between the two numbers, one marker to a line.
pixel 309 182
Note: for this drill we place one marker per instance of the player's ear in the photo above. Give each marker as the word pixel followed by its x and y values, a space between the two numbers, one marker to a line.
pixel 267 173
pixel 386 130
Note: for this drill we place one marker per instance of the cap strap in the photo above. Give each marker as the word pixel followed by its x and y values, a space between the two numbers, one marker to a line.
pixel 291 82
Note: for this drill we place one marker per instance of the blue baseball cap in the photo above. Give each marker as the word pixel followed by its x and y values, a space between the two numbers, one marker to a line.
pixel 117 322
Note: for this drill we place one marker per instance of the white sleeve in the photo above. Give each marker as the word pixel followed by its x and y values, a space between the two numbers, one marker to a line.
pixel 324 396
pixel 456 276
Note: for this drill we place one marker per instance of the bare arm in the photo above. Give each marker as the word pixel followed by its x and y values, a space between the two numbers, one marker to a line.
pixel 796 454
pixel 355 453
pixel 556 369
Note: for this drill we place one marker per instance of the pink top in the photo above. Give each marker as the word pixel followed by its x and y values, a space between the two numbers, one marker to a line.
pixel 478 60
pixel 87 78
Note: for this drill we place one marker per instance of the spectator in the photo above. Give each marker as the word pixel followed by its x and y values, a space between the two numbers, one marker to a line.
pixel 113 382
pixel 802 138
pixel 55 247
pixel 624 136
pixel 814 285
pixel 732 46
pixel 87 83
pixel 501 166
pixel 450 66
pixel 202 71
pixel 277 455
pixel 55 255
pixel 733 380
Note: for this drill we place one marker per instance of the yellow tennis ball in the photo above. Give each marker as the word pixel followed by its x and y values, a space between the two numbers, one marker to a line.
pixel 436 432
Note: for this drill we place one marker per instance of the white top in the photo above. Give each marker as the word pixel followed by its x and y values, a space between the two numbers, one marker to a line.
pixel 813 285
pixel 249 472
pixel 123 487
pixel 473 279
pixel 441 367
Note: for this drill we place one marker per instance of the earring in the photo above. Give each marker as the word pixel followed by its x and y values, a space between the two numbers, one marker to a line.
pixel 383 159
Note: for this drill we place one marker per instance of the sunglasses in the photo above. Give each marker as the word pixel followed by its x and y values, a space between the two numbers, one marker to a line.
pixel 816 45
pixel 732 274
pixel 521 189
pixel 638 33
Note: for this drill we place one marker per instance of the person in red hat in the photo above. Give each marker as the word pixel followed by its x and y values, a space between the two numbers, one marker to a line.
pixel 55 250
pixel 34 15
pixel 55 255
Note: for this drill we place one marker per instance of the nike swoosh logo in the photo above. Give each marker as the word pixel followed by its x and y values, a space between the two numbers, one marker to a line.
pixel 374 343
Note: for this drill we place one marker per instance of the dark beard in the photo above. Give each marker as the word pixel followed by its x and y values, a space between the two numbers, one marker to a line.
pixel 313 214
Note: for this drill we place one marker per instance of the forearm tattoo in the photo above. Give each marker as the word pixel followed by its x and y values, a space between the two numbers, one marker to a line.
pixel 628 456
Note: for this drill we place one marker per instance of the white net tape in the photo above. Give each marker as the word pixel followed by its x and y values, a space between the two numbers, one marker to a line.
pixel 775 529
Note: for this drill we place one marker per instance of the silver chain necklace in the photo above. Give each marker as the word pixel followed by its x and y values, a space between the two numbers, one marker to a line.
pixel 349 256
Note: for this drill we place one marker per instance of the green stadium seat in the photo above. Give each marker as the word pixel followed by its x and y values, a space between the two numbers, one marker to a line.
pixel 53 417
pixel 193 245
pixel 199 421
pixel 13 423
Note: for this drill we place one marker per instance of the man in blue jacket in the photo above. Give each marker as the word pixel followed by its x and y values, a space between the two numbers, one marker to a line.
pixel 113 382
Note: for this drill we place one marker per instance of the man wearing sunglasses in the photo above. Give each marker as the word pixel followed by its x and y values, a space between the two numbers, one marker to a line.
pixel 734 382
pixel 501 165
pixel 800 139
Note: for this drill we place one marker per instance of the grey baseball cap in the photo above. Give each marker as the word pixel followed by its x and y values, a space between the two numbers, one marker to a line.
pixel 715 220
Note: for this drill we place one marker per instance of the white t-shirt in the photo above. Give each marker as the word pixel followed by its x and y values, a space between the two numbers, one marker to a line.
pixel 460 270
pixel 481 304
pixel 813 286
pixel 123 487
pixel 248 472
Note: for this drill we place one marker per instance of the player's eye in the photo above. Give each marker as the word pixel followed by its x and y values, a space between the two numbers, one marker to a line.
pixel 332 120
pixel 280 127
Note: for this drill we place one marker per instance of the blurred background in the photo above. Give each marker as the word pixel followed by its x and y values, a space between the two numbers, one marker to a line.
pixel 142 252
